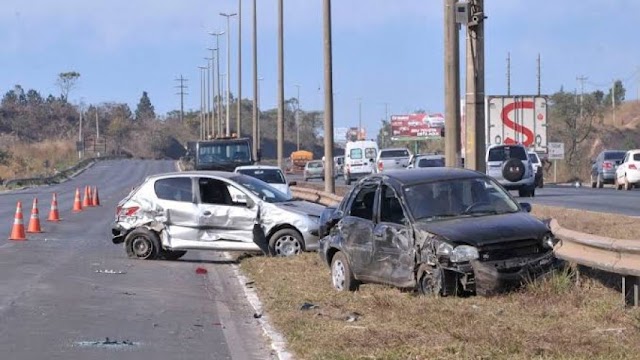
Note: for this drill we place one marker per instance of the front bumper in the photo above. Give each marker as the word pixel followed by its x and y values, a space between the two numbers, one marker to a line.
pixel 498 276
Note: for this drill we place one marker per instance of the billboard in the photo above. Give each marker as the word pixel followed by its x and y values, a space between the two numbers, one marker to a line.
pixel 416 126
pixel 340 135
pixel 517 119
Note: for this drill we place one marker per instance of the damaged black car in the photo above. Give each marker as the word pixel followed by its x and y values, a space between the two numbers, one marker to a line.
pixel 443 231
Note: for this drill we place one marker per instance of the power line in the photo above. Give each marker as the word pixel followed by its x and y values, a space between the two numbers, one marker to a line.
pixel 182 93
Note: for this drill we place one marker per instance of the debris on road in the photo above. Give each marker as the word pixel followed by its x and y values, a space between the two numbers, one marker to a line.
pixel 201 271
pixel 308 306
pixel 354 316
pixel 117 272
pixel 107 343
pixel 257 315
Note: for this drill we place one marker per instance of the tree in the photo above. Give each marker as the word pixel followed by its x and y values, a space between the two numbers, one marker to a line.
pixel 66 82
pixel 620 92
pixel 145 110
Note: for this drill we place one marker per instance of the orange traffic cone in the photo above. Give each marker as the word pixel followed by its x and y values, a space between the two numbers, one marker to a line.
pixel 86 202
pixel 77 205
pixel 17 231
pixel 53 213
pixel 95 199
pixel 34 221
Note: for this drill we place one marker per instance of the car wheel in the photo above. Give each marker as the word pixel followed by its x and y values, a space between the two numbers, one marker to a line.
pixel 142 244
pixel 285 242
pixel 173 254
pixel 541 182
pixel 430 283
pixel 524 192
pixel 617 184
pixel 600 183
pixel 341 276
pixel 627 184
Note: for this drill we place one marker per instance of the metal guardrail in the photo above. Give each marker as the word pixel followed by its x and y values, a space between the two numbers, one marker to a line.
pixel 611 255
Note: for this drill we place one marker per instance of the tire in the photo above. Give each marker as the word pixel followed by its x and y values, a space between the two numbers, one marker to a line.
pixel 342 277
pixel 286 242
pixel 541 185
pixel 524 192
pixel 142 244
pixel 627 185
pixel 599 182
pixel 173 254
pixel 513 170
pixel 430 283
pixel 617 184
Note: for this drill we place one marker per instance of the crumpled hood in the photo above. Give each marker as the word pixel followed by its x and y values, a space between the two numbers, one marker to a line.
pixel 302 207
pixel 484 230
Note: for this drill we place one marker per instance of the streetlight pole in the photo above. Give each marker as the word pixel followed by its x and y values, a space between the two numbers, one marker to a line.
pixel 217 35
pixel 258 116
pixel 256 141
pixel 239 115
pixel 207 128
pixel 228 16
pixel 280 127
pixel 329 184
pixel 298 118
pixel 214 130
pixel 202 103
pixel 359 119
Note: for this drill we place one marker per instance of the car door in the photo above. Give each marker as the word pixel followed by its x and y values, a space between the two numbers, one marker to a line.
pixel 223 212
pixel 393 256
pixel 357 228
pixel 174 195
pixel 622 168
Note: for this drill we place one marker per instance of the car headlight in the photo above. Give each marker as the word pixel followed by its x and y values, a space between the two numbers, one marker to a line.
pixel 548 241
pixel 464 253
pixel 444 249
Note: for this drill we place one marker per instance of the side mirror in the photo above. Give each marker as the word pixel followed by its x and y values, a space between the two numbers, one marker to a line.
pixel 526 207
pixel 293 183
pixel 250 203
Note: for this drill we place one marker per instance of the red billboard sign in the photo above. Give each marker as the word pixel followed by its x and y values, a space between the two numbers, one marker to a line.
pixel 414 127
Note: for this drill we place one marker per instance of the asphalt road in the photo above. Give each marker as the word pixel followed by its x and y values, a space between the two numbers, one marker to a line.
pixel 606 200
pixel 65 291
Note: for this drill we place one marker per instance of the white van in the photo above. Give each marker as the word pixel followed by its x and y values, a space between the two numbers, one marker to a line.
pixel 359 159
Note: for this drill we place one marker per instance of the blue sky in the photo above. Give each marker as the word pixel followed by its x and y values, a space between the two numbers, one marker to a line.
pixel 384 51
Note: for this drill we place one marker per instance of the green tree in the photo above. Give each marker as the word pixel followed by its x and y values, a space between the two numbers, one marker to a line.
pixel 66 82
pixel 620 92
pixel 144 110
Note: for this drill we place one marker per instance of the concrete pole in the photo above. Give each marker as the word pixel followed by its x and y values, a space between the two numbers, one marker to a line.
pixel 475 142
pixel 359 120
pixel 228 16
pixel 255 82
pixel 259 132
pixel 80 137
pixel 451 86
pixel 280 130
pixel 214 130
pixel 207 129
pixel 219 103
pixel 203 119
pixel 329 183
pixel 298 119
pixel 239 115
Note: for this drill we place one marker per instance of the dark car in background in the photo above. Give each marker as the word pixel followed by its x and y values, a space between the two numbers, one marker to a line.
pixel 444 231
pixel 603 168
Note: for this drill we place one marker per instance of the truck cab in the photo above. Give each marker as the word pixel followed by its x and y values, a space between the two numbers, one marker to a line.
pixel 223 154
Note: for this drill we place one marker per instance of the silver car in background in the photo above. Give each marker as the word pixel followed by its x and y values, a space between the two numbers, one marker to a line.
pixel 392 159
pixel 212 210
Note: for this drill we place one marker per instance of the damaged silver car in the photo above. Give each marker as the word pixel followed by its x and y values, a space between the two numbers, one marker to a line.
pixel 171 213
pixel 443 231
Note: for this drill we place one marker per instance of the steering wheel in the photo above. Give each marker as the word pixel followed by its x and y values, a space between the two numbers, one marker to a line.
pixel 475 205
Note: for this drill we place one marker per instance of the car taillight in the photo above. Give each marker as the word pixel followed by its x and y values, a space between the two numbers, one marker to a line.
pixel 130 211
pixel 380 165
pixel 632 167
pixel 607 165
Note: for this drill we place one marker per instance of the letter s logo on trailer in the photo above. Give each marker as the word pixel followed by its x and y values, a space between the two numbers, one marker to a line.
pixel 517 119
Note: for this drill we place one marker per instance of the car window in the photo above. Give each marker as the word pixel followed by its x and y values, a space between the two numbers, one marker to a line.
pixel 362 205
pixel 390 208
pixel 636 157
pixel 370 153
pixel 394 153
pixel 356 153
pixel 613 155
pixel 314 165
pixel 503 153
pixel 457 198
pixel 218 192
pixel 431 162
pixel 176 189
pixel 533 158
pixel 271 176
pixel 260 189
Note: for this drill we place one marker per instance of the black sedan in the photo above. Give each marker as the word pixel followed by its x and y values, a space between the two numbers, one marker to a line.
pixel 443 231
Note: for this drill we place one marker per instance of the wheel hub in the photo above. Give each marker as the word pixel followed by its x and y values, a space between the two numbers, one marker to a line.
pixel 338 275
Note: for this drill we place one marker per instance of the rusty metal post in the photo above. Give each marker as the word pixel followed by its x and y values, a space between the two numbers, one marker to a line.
pixel 630 290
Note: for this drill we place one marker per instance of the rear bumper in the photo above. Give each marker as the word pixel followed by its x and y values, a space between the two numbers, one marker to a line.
pixel 633 176
pixel 118 233
pixel 608 175
pixel 524 183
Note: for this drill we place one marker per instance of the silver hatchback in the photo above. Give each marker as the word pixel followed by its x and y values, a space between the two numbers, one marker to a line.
pixel 172 213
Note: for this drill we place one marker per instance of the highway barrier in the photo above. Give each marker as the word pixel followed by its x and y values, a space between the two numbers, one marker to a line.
pixel 615 256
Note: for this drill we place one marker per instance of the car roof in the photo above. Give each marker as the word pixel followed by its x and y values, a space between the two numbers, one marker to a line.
pixel 258 167
pixel 422 175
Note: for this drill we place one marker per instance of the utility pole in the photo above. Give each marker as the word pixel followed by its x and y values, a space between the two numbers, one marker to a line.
pixel 508 74
pixel 539 72
pixel 582 79
pixel 255 82
pixel 202 103
pixel 228 16
pixel 359 119
pixel 280 133
pixel 475 146
pixel 80 140
pixel 182 88
pixel 214 129
pixel 97 126
pixel 329 183
pixel 451 85
pixel 219 103
pixel 613 100
pixel 239 119
pixel 208 127
pixel 298 118
pixel 258 117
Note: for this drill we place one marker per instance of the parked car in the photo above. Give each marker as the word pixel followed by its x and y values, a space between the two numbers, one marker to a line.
pixel 272 175
pixel 511 167
pixel 359 161
pixel 441 230
pixel 392 159
pixel 169 214
pixel 603 168
pixel 314 169
pixel 628 172
pixel 424 161
pixel 536 164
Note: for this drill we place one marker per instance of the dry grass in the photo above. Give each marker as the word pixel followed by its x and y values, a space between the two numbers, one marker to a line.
pixel 29 159
pixel 549 318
